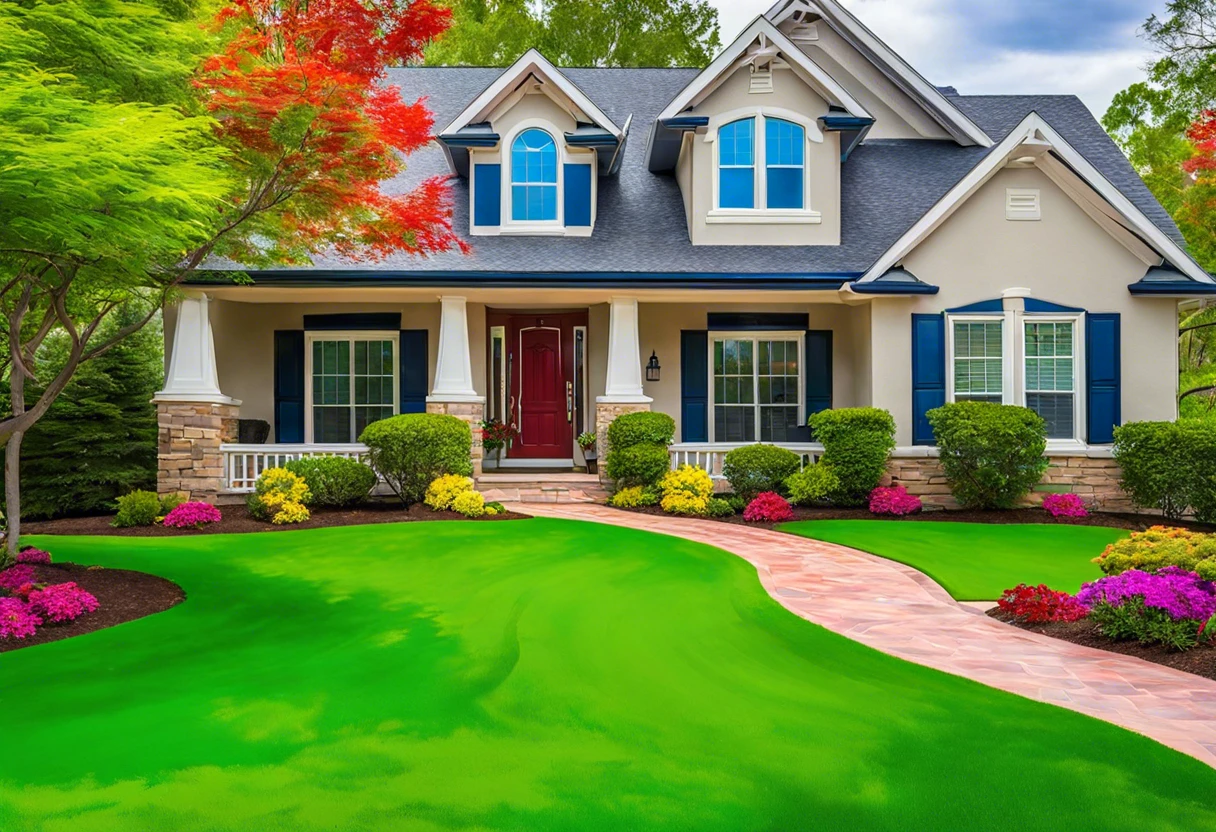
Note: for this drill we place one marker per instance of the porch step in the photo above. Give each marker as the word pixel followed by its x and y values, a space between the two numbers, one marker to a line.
pixel 541 488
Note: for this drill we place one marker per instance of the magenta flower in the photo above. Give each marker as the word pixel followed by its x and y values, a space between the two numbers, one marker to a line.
pixel 1181 594
pixel 1065 505
pixel 769 507
pixel 192 516
pixel 16 619
pixel 14 577
pixel 32 555
pixel 894 501
pixel 60 603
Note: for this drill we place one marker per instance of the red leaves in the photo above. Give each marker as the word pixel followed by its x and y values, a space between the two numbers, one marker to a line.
pixel 299 100
pixel 1202 134
pixel 1041 603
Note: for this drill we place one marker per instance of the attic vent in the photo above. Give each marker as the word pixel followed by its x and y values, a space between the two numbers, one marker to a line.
pixel 762 79
pixel 804 33
pixel 1022 204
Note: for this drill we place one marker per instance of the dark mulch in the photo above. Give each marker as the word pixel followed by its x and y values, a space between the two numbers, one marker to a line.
pixel 1131 522
pixel 124 596
pixel 1200 660
pixel 237 519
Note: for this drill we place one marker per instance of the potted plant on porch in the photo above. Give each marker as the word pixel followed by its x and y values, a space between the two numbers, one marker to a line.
pixel 495 436
pixel 586 441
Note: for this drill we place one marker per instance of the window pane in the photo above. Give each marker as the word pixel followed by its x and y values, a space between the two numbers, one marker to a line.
pixel 784 142
pixel 736 143
pixel 736 188
pixel 978 361
pixel 734 424
pixel 331 424
pixel 777 422
pixel 785 188
pixel 1051 376
pixel 360 357
pixel 1057 411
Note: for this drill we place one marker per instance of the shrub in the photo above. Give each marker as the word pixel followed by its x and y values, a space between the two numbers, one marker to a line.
pixel 1171 606
pixel 768 507
pixel 719 508
pixel 170 502
pixel 754 469
pixel 637 465
pixel 1169 466
pixel 737 504
pixel 1064 505
pixel 61 603
pixel 17 621
pixel 642 428
pixel 280 496
pixel 813 484
pixel 686 490
pixel 139 508
pixel 411 451
pixel 443 491
pixel 992 453
pixel 495 508
pixel 856 444
pixel 469 503
pixel 31 555
pixel 17 576
pixel 192 516
pixel 627 497
pixel 894 501
pixel 1159 547
pixel 1041 603
pixel 336 481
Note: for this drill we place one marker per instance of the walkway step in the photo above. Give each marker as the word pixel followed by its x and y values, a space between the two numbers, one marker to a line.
pixel 546 488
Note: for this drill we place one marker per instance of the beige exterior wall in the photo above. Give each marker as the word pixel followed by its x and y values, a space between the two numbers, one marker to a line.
pixel 696 175
pixel 1065 258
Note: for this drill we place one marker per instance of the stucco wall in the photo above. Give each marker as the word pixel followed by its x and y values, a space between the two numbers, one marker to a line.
pixel 1065 258
pixel 822 161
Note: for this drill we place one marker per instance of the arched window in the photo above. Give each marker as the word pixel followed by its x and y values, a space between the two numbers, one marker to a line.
pixel 737 164
pixel 534 177
pixel 784 146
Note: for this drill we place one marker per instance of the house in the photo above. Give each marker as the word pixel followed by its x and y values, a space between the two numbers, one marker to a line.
pixel 805 223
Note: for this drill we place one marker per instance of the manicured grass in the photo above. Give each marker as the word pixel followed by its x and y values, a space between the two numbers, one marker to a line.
pixel 539 675
pixel 976 561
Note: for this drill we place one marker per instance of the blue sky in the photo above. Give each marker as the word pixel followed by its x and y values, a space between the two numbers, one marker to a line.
pixel 1086 47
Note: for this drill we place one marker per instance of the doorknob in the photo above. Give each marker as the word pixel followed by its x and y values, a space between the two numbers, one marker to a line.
pixel 569 402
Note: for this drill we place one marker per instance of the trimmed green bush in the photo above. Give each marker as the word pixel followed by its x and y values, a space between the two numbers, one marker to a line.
pixel 719 508
pixel 410 451
pixel 1169 466
pixel 856 444
pixel 992 453
pixel 641 428
pixel 813 484
pixel 170 502
pixel 638 465
pixel 139 508
pixel 754 469
pixel 334 480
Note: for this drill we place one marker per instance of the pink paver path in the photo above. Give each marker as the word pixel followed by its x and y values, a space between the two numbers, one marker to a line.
pixel 895 609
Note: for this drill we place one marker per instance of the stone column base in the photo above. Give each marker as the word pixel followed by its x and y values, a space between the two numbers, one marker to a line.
pixel 1096 481
pixel 471 412
pixel 188 447
pixel 605 413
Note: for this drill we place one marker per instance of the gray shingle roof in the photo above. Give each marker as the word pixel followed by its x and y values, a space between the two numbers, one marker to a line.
pixel 886 185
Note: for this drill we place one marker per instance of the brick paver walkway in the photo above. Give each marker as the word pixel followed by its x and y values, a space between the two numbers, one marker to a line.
pixel 895 609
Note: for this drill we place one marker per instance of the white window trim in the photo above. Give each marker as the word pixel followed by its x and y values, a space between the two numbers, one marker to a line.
pixel 348 335
pixel 508 142
pixel 762 215
pixel 1013 337
pixel 755 335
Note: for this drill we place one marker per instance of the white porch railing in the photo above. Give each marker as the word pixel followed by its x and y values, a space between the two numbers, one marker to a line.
pixel 712 455
pixel 243 464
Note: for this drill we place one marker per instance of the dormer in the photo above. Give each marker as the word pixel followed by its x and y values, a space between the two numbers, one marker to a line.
pixel 533 147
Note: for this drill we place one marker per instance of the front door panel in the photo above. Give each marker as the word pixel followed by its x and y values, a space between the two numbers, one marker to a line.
pixel 544 431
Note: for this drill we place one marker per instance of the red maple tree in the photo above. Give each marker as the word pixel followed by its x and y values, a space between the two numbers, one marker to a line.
pixel 1202 136
pixel 316 136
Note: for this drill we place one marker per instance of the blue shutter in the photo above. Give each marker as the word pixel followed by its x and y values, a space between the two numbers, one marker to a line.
pixel 1103 373
pixel 818 371
pixel 414 368
pixel 694 385
pixel 578 194
pixel 928 373
pixel 487 191
pixel 289 385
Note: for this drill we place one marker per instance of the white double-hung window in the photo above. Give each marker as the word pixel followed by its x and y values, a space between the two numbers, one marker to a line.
pixel 352 382
pixel 978 360
pixel 1050 379
pixel 760 168
pixel 755 386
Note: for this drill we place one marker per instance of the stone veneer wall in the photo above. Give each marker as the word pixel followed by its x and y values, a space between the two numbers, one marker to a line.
pixel 605 412
pixel 471 412
pixel 188 447
pixel 1095 480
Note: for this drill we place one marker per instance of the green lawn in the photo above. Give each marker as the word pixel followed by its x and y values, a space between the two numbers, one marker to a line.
pixel 976 561
pixel 536 675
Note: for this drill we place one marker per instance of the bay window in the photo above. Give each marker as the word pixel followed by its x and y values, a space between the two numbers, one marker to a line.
pixel 756 386
pixel 352 383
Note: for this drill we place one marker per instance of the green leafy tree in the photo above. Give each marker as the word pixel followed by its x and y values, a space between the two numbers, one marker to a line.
pixel 580 32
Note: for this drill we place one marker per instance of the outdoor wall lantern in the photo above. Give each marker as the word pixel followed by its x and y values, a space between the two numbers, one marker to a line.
pixel 652 367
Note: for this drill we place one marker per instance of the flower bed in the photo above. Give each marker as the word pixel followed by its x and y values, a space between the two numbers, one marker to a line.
pixel 28 601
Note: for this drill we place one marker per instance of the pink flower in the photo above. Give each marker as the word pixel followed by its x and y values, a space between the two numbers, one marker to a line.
pixel 1064 505
pixel 16 619
pixel 13 577
pixel 60 603
pixel 192 515
pixel 32 555
pixel 769 507
pixel 894 501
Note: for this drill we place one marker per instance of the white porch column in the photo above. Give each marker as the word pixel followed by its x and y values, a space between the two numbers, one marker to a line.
pixel 192 376
pixel 454 364
pixel 624 382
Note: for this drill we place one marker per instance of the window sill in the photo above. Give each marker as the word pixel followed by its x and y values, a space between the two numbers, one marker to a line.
pixel 729 216
pixel 531 231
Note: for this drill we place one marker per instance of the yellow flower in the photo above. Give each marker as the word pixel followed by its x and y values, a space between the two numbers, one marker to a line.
pixel 441 494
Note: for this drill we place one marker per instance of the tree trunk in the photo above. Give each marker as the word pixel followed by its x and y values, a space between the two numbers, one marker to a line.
pixel 12 494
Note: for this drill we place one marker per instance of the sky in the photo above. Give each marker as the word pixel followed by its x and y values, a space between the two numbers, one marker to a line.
pixel 1088 48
